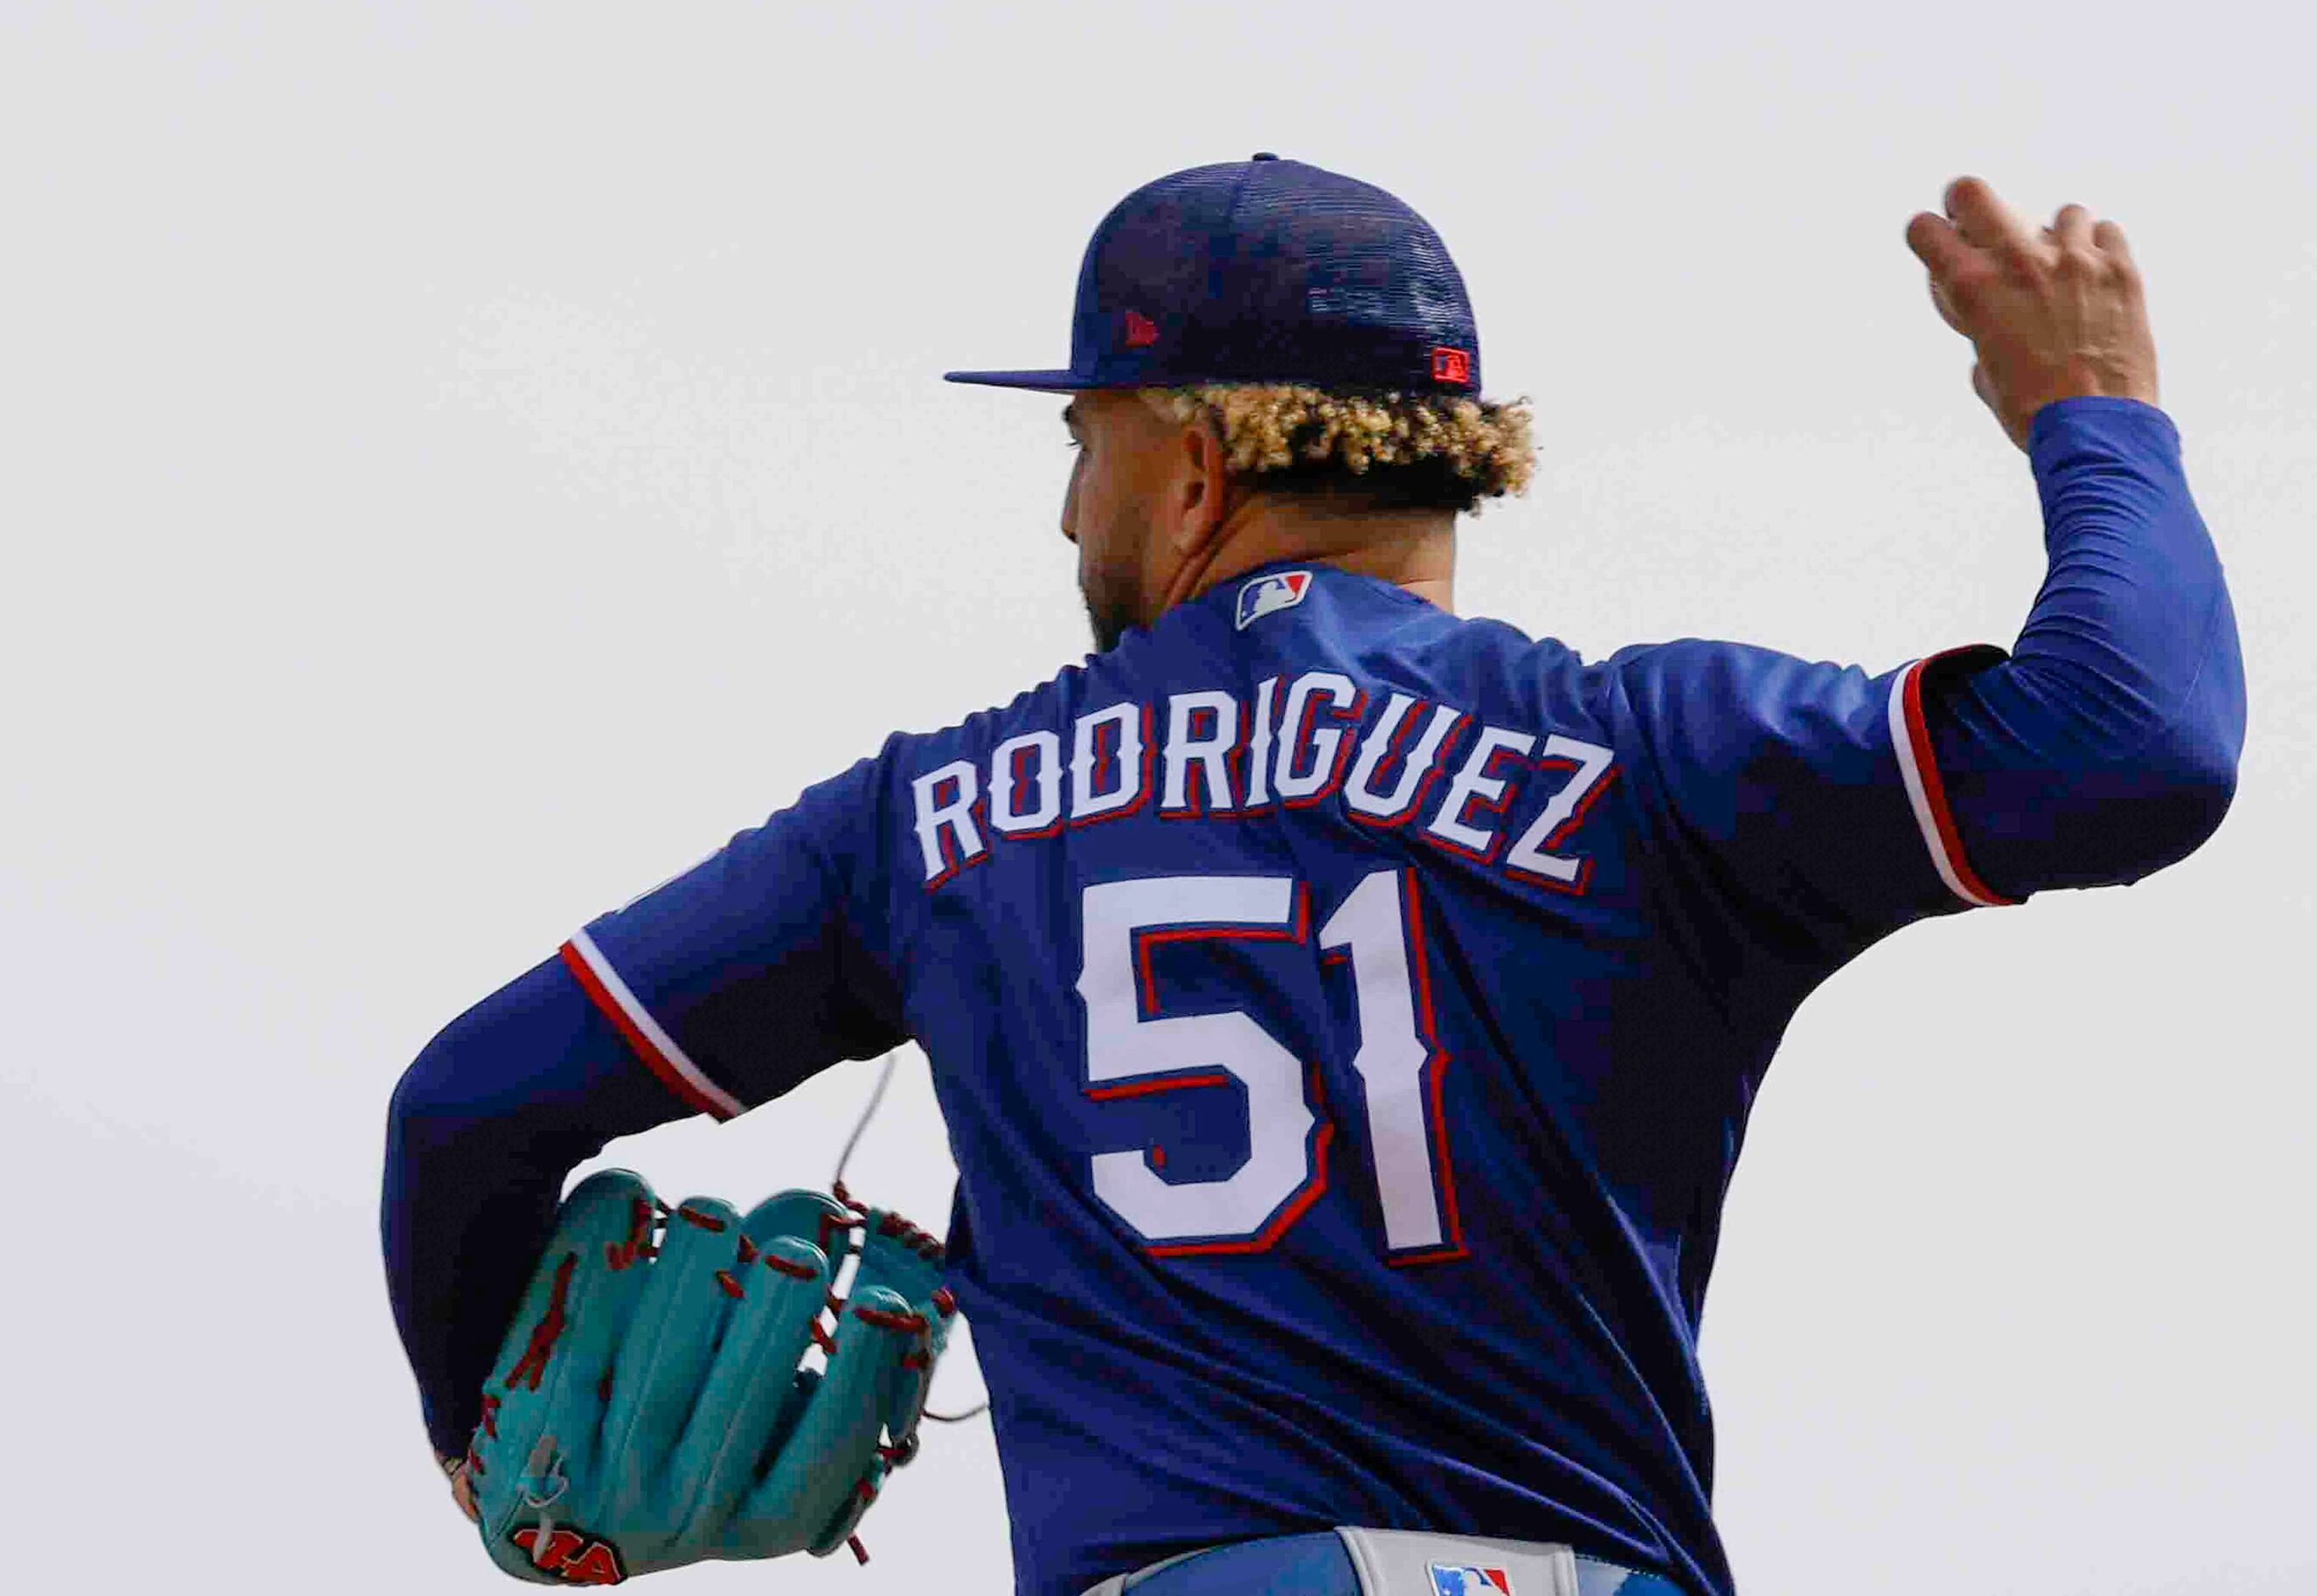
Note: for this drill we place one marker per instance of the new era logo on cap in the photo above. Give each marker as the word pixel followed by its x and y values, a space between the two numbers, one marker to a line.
pixel 1141 332
pixel 1469 1580
pixel 1450 365
pixel 1267 595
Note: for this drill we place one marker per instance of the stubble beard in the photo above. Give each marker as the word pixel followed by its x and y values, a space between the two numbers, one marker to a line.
pixel 1110 606
pixel 1109 621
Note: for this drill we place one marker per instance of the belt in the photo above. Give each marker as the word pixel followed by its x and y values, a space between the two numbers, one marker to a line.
pixel 1351 1562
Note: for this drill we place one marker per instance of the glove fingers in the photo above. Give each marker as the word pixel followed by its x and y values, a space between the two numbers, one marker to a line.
pixel 752 1380
pixel 831 1454
pixel 814 1216
pixel 671 1340
pixel 541 1405
pixel 913 1380
pixel 902 1259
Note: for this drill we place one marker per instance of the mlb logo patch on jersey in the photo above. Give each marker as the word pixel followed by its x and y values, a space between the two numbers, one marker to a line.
pixel 1469 1580
pixel 1266 596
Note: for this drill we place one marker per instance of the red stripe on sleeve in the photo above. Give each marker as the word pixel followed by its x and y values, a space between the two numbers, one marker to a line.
pixel 1935 791
pixel 654 1059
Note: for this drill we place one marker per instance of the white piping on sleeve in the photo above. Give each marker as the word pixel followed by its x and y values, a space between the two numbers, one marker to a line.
pixel 1905 722
pixel 670 1054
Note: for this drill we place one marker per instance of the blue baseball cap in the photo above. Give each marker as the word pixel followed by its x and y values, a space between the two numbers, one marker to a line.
pixel 1265 271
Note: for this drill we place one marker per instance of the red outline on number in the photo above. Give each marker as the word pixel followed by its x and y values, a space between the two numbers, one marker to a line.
pixel 1315 1097
pixel 1146 986
pixel 1435 1069
pixel 1299 1201
pixel 1155 1156
pixel 1147 1084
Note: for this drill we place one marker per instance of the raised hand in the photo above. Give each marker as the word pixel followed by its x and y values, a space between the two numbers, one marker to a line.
pixel 2052 313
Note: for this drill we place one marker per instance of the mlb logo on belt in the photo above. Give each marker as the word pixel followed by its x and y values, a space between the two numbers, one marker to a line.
pixel 1469 1580
pixel 1282 590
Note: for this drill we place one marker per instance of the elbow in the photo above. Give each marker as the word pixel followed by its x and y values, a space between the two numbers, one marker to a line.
pixel 2077 783
pixel 2190 765
pixel 2106 822
pixel 2197 780
pixel 2164 807
pixel 475 1072
pixel 426 1099
pixel 533 1072
pixel 486 1065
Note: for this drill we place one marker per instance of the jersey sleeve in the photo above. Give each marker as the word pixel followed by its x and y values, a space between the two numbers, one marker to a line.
pixel 1806 796
pixel 764 964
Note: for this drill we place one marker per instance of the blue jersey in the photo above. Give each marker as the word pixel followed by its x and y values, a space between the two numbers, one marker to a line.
pixel 1345 1017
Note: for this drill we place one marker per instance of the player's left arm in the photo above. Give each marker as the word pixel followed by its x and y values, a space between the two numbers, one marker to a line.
pixel 716 992
pixel 2106 746
pixel 1824 808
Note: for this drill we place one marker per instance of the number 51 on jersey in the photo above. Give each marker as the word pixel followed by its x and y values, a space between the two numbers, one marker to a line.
pixel 1379 929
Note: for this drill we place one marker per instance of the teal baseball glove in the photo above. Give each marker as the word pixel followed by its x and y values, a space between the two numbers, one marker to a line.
pixel 652 1404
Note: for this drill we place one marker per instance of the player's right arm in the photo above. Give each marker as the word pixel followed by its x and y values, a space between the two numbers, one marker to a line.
pixel 715 992
pixel 483 1126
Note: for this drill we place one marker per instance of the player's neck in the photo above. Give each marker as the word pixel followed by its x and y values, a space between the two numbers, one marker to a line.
pixel 1413 550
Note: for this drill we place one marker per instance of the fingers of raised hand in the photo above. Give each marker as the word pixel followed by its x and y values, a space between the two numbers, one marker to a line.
pixel 1959 269
pixel 2089 251
pixel 2109 240
pixel 1986 221
pixel 2071 232
pixel 1938 244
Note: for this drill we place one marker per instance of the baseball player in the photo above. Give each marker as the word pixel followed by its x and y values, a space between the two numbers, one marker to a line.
pixel 1344 1014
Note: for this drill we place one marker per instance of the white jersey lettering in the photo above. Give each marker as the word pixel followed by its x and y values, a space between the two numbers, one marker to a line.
pixel 946 834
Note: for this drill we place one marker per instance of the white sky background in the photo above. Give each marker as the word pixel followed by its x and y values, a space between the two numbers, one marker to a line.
pixel 459 463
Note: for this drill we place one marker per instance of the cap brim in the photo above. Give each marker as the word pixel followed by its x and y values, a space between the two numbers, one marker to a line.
pixel 1044 382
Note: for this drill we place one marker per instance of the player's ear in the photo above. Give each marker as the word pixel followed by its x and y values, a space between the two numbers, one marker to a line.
pixel 1202 487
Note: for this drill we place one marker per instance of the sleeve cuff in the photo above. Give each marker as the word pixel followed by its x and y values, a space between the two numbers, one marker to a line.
pixel 2051 418
pixel 652 1044
pixel 1911 739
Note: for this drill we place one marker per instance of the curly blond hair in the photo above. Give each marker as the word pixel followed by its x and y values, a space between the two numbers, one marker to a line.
pixel 1438 451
